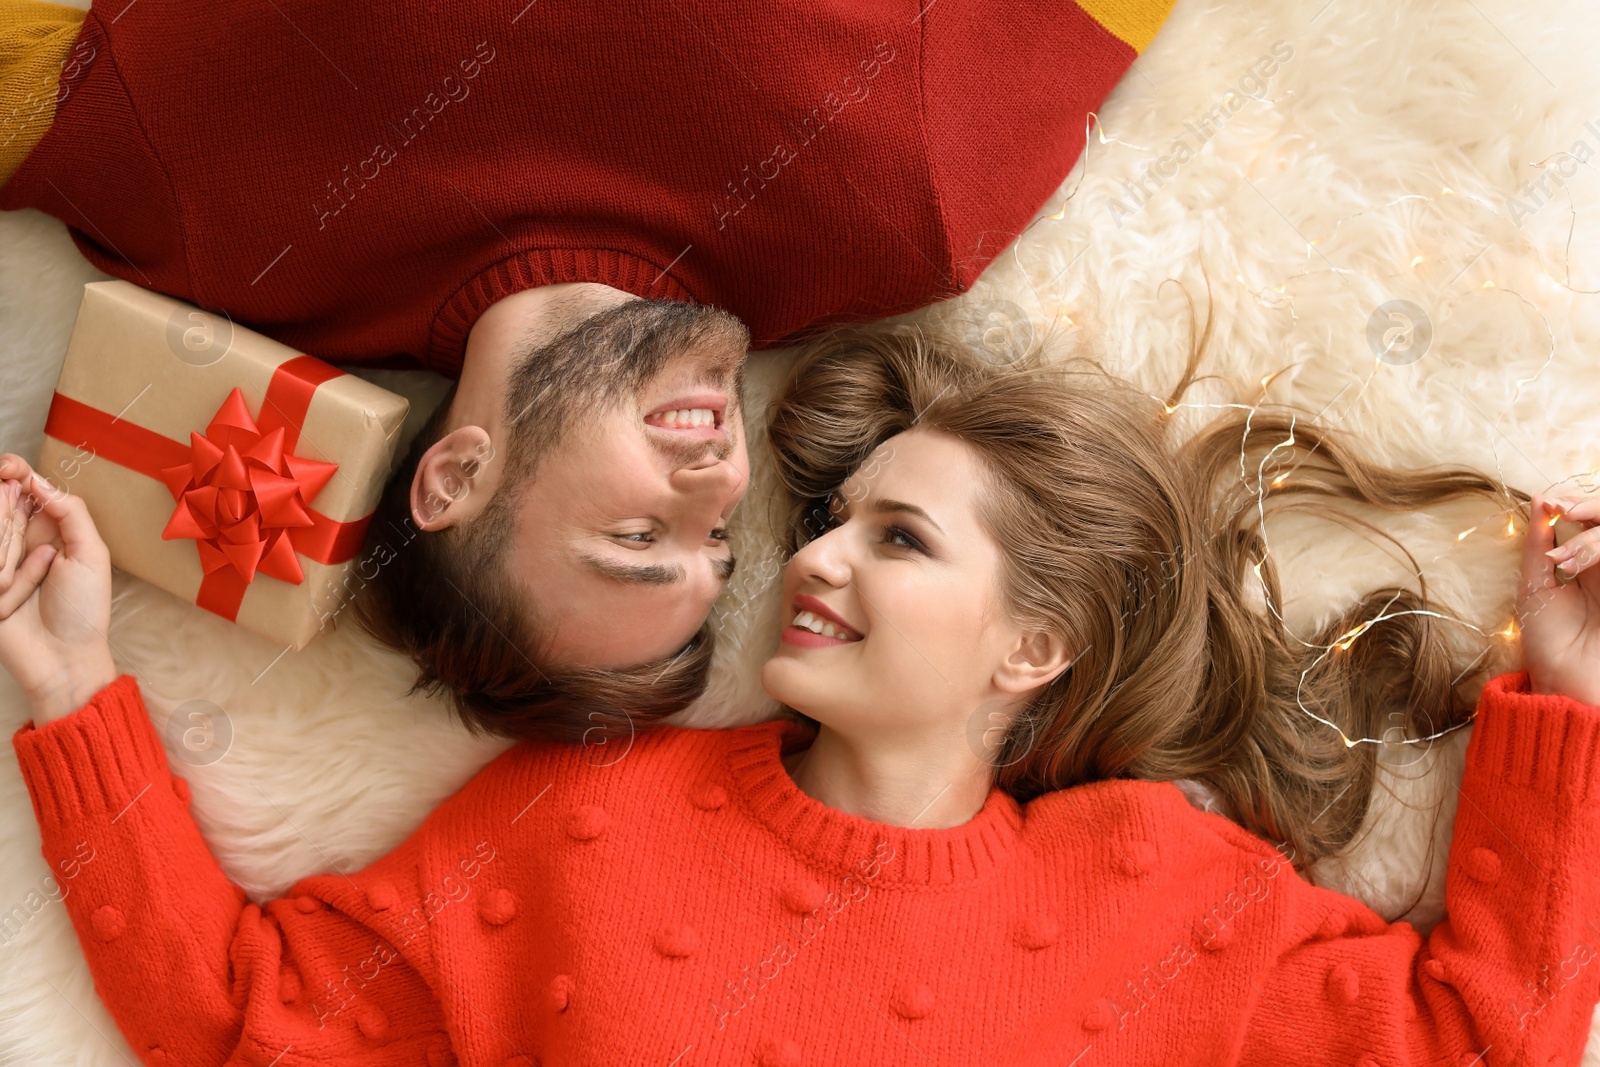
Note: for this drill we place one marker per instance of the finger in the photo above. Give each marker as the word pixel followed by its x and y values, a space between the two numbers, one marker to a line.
pixel 13 524
pixel 29 577
pixel 79 538
pixel 1581 550
pixel 1577 508
pixel 14 466
pixel 1578 504
pixel 16 521
pixel 1538 569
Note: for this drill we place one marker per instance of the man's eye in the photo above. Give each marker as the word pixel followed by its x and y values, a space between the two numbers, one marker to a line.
pixel 719 534
pixel 638 538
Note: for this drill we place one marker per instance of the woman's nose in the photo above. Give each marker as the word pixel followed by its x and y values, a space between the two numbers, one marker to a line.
pixel 825 558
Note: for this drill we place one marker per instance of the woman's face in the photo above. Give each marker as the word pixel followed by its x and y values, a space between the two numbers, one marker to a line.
pixel 904 585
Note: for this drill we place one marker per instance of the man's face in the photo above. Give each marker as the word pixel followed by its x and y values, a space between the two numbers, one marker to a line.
pixel 621 530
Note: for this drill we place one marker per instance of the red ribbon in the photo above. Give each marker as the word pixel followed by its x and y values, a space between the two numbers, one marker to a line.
pixel 242 495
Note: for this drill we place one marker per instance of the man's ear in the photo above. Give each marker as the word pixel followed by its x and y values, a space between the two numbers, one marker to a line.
pixel 452 482
pixel 1036 659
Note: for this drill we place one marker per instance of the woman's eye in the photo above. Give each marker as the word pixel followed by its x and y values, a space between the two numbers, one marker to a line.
pixel 719 534
pixel 901 537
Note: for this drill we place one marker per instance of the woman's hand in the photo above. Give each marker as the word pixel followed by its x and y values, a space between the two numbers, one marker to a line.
pixel 1558 613
pixel 55 594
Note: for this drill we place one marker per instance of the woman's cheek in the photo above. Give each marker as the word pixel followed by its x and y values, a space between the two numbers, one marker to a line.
pixel 911 648
pixel 934 627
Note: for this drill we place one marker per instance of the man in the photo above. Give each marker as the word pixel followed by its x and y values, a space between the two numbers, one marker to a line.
pixel 583 213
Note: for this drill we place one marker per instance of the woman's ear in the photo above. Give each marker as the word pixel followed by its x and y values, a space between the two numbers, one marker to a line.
pixel 452 484
pixel 1037 659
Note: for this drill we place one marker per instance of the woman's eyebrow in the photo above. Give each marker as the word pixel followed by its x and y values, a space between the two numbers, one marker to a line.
pixel 884 504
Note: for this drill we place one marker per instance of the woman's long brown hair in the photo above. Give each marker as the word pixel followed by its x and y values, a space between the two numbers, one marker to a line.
pixel 1146 555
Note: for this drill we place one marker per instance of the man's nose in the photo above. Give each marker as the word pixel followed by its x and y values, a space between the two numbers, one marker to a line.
pixel 710 486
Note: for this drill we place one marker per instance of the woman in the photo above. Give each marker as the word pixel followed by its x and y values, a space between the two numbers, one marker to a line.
pixel 1014 608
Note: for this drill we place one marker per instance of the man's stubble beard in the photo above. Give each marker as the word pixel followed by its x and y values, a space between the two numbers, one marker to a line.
pixel 606 361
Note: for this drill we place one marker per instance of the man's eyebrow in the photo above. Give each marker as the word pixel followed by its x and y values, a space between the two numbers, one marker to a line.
pixel 723 568
pixel 647 574
pixel 883 504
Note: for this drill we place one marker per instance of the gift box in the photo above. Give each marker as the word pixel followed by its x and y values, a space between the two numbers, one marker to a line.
pixel 217 463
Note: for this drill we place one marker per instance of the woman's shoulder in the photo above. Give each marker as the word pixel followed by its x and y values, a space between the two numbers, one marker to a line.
pixel 1179 822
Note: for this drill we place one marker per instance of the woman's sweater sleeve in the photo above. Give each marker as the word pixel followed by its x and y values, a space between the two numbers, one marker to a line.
pixel 339 971
pixel 1510 977
pixel 36 44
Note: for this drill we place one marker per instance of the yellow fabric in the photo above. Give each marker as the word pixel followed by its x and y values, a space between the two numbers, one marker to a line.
pixel 35 40
pixel 1132 21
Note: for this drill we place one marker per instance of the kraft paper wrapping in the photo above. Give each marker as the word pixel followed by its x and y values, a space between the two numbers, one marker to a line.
pixel 168 366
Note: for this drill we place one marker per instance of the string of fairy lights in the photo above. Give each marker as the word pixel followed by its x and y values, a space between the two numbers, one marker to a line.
pixel 1278 298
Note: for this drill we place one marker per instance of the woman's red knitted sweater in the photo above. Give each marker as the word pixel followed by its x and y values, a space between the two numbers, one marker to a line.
pixel 688 904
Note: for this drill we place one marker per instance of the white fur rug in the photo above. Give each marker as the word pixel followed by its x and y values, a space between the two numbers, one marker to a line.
pixel 1384 158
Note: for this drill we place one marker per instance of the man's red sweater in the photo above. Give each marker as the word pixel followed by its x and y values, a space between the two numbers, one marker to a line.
pixel 687 904
pixel 362 181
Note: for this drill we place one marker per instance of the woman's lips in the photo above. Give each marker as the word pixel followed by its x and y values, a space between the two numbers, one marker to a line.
pixel 809 606
pixel 806 602
pixel 800 636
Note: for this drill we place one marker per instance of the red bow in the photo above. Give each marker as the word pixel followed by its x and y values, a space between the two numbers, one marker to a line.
pixel 242 498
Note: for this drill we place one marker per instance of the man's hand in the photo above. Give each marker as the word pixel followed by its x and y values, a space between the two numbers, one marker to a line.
pixel 55 594
pixel 1559 613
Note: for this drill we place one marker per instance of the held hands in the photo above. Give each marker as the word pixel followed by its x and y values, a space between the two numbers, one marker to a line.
pixel 55 594
pixel 1560 614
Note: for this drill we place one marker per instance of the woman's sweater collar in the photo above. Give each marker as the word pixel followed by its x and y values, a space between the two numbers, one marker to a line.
pixel 827 837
